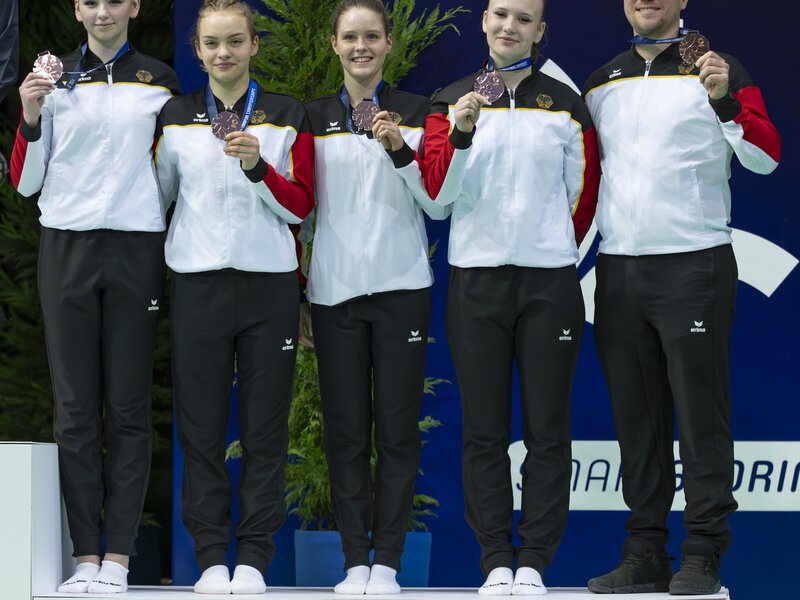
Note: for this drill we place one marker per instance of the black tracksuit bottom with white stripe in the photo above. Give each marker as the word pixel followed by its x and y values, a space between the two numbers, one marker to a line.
pixel 496 315
pixel 218 317
pixel 662 329
pixel 100 292
pixel 371 356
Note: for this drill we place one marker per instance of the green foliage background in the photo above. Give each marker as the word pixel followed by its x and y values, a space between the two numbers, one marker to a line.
pixel 295 57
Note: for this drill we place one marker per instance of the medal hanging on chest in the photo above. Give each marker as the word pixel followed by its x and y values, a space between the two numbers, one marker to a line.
pixel 363 114
pixel 490 85
pixel 50 65
pixel 227 121
pixel 224 123
pixel 691 48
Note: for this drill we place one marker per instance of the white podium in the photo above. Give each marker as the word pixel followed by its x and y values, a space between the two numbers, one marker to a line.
pixel 34 544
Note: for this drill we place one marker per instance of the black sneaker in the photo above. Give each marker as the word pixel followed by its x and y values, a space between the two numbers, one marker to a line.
pixel 699 575
pixel 636 574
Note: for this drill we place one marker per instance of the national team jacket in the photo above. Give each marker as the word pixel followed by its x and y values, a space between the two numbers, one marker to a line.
pixel 226 217
pixel 666 151
pixel 523 184
pixel 91 154
pixel 370 233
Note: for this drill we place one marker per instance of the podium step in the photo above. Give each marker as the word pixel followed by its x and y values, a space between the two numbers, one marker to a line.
pixel 291 593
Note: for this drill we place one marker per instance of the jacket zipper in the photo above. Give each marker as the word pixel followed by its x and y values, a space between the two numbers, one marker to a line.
pixel 512 94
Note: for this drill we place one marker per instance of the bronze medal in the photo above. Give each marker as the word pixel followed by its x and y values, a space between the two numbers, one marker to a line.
pixel 692 47
pixel 395 118
pixel 224 123
pixel 50 65
pixel 490 85
pixel 363 114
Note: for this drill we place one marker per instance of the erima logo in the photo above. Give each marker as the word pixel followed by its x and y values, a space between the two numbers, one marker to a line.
pixel 201 118
pixel 289 345
pixel 153 305
pixel 698 327
pixel 615 73
pixel 334 126
pixel 415 337
pixel 566 337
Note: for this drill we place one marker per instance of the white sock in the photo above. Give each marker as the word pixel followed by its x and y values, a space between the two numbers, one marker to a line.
pixel 247 580
pixel 112 578
pixel 79 582
pixel 214 580
pixel 528 582
pixel 498 583
pixel 382 580
pixel 355 582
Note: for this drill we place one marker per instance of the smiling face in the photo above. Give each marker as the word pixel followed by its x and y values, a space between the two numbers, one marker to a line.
pixel 512 27
pixel 106 21
pixel 658 19
pixel 362 43
pixel 225 46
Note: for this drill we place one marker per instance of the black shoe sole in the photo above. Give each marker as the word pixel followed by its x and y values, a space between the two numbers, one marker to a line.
pixel 640 588
pixel 685 590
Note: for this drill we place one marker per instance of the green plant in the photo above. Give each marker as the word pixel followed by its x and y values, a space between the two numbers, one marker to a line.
pixel 295 56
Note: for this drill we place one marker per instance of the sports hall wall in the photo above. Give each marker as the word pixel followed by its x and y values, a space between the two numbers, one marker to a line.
pixel 583 35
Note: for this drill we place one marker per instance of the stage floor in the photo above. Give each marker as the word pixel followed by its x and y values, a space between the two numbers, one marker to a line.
pixel 177 593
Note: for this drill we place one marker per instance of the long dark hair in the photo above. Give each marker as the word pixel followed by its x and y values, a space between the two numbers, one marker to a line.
pixel 376 6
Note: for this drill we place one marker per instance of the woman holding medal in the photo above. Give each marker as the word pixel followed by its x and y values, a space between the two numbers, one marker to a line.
pixel 523 189
pixel 239 160
pixel 85 141
pixel 369 289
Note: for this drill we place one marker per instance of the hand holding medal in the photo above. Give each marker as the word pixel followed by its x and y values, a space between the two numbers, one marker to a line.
pixel 714 75
pixel 244 146
pixel 385 129
pixel 47 69
pixel 467 111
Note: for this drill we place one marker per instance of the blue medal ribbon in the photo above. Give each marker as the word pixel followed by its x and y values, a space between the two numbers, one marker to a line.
pixel 345 98
pixel 79 72
pixel 640 39
pixel 517 66
pixel 249 105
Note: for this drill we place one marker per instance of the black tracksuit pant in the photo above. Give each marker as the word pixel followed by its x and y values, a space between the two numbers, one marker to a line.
pixel 662 329
pixel 252 318
pixel 100 292
pixel 494 316
pixel 372 345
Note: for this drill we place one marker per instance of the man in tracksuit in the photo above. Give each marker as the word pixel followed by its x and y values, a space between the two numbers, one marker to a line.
pixel 666 285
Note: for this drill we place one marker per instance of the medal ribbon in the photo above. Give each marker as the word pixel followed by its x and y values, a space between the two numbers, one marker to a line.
pixel 640 39
pixel 249 105
pixel 345 98
pixel 517 66
pixel 79 72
